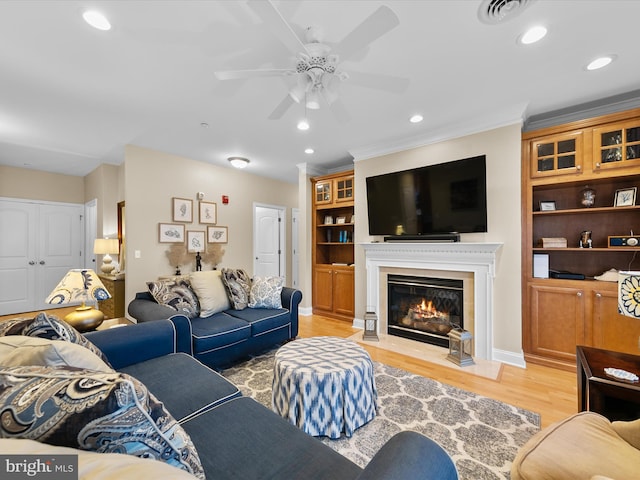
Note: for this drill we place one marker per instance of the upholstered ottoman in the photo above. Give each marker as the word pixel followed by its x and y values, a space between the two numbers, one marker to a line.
pixel 324 386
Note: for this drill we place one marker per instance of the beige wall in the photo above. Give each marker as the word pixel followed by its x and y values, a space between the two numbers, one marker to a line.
pixel 502 148
pixel 152 178
pixel 36 185
pixel 103 184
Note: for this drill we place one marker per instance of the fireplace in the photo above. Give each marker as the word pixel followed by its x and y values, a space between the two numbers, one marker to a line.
pixel 424 308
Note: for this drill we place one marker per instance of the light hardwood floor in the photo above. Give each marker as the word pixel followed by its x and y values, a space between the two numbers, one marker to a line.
pixel 550 392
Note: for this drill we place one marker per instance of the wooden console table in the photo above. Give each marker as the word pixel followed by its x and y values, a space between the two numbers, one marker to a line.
pixel 114 307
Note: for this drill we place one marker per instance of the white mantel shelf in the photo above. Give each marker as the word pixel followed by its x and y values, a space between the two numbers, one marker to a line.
pixel 478 258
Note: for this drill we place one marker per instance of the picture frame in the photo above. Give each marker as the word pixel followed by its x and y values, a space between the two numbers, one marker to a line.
pixel 170 233
pixel 625 197
pixel 328 220
pixel 547 205
pixel 217 235
pixel 341 220
pixel 182 210
pixel 208 213
pixel 195 241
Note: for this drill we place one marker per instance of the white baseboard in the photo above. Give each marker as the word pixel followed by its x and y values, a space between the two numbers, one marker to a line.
pixel 358 323
pixel 305 311
pixel 510 358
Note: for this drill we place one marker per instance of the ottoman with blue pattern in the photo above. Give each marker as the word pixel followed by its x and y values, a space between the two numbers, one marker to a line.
pixel 324 385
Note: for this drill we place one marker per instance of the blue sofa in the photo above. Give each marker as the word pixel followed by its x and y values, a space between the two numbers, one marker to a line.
pixel 230 335
pixel 235 436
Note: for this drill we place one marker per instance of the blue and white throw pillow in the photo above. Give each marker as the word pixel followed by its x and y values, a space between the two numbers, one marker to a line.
pixel 266 292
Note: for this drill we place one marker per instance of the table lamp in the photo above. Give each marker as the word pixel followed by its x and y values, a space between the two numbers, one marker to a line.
pixel 629 294
pixel 78 285
pixel 106 246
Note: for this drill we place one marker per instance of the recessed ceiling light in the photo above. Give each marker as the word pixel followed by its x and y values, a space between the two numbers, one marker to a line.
pixel 533 35
pixel 417 118
pixel 303 125
pixel 96 20
pixel 309 151
pixel 238 162
pixel 600 62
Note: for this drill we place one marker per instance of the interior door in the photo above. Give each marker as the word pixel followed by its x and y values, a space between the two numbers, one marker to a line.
pixel 295 245
pixel 268 241
pixel 39 244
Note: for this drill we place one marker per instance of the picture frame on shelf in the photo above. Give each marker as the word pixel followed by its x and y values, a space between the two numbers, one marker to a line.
pixel 217 234
pixel 195 241
pixel 208 213
pixel 182 210
pixel 547 205
pixel 625 197
pixel 170 233
pixel 328 220
pixel 341 220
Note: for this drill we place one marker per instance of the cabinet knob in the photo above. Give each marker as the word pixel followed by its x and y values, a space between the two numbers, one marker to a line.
pixel 597 164
pixel 598 295
pixel 579 294
pixel 579 167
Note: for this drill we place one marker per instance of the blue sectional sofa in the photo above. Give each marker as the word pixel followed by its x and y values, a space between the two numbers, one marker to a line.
pixel 229 335
pixel 235 436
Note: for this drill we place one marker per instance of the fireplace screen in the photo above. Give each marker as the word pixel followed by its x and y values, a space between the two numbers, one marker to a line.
pixel 423 308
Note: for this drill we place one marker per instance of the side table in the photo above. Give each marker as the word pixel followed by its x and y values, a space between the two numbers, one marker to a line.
pixel 598 392
pixel 114 322
pixel 324 386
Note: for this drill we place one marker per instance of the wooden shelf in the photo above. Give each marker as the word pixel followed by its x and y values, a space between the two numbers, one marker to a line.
pixel 587 211
pixel 586 250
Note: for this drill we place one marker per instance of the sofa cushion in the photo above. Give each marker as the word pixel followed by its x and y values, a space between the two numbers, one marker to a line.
pixel 218 331
pixel 238 285
pixel 578 447
pixel 210 291
pixel 97 466
pixel 102 412
pixel 51 327
pixel 176 295
pixel 19 350
pixel 265 292
pixel 262 320
pixel 168 378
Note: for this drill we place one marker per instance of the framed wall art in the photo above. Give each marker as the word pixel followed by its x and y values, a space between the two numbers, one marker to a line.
pixel 208 213
pixel 217 234
pixel 170 233
pixel 625 197
pixel 195 241
pixel 182 210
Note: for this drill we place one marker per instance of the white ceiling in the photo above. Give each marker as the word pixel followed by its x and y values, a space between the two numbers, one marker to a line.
pixel 71 97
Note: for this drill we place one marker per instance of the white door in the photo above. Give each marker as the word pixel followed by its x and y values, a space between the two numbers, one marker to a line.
pixel 295 241
pixel 268 241
pixel 39 243
pixel 90 233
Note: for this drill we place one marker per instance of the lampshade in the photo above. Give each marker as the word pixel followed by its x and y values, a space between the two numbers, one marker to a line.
pixel 629 294
pixel 105 246
pixel 78 285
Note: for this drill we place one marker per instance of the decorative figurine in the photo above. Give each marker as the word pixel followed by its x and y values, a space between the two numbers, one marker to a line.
pixel 585 239
pixel 587 196
pixel 198 262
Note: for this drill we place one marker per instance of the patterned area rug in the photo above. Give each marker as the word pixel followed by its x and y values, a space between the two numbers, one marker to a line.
pixel 481 435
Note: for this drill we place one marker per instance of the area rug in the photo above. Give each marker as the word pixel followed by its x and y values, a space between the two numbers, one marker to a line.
pixel 481 435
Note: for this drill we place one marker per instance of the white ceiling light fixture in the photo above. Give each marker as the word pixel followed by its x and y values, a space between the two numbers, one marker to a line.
pixel 303 125
pixel 96 20
pixel 533 35
pixel 600 62
pixel 238 162
pixel 309 151
pixel 417 118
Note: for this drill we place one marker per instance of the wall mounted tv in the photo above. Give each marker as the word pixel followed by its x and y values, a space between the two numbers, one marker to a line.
pixel 435 200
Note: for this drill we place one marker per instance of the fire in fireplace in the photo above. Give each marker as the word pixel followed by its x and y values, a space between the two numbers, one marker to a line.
pixel 424 308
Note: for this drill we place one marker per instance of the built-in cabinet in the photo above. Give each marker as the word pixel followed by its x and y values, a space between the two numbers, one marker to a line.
pixel 559 163
pixel 332 239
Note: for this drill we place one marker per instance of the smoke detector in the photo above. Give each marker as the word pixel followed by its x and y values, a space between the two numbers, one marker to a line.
pixel 499 11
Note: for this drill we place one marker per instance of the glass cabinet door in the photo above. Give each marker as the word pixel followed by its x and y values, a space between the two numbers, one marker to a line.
pixel 557 155
pixel 344 189
pixel 323 192
pixel 616 146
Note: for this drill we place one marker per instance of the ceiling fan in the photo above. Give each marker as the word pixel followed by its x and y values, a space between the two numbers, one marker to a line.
pixel 317 65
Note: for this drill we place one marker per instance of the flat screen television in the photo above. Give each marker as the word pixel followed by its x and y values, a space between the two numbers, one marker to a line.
pixel 437 199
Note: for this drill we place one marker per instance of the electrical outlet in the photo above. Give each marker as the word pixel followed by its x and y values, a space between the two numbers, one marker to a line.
pixel 137 254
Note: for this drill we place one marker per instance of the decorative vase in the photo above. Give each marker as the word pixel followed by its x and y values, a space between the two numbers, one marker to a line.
pixel 587 196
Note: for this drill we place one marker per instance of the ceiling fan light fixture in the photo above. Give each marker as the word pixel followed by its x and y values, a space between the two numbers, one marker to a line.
pixel 238 162
pixel 96 20
pixel 313 100
pixel 303 125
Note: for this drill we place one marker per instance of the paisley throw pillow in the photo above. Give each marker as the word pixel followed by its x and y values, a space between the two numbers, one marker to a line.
pixel 177 295
pixel 265 292
pixel 238 285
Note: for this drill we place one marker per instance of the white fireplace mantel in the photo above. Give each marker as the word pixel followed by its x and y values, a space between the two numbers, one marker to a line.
pixel 477 258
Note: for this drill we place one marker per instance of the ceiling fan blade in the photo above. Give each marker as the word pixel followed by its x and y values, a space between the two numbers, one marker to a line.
pixel 378 81
pixel 240 74
pixel 270 15
pixel 282 108
pixel 373 27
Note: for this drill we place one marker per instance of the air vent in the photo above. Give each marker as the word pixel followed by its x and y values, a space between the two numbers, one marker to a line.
pixel 499 11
